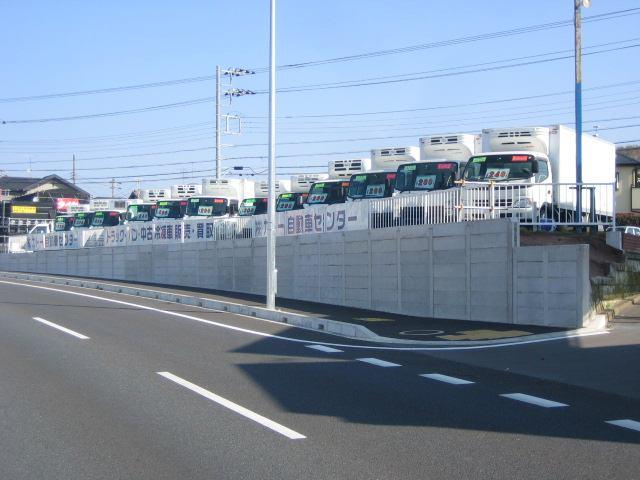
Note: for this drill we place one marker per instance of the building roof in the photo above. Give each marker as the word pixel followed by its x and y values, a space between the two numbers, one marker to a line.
pixel 22 185
pixel 624 161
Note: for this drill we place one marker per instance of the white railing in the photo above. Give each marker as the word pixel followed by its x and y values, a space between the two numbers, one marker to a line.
pixel 537 205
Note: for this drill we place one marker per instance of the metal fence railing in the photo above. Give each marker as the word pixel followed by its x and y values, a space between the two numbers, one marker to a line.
pixel 541 205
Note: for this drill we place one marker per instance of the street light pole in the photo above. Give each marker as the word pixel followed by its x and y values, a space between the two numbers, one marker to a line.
pixel 272 279
pixel 577 22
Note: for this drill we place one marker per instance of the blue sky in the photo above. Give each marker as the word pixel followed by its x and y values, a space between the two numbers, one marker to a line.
pixel 57 47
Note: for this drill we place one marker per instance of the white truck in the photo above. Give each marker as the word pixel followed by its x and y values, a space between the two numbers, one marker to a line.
pixel 302 183
pixel 220 197
pixel 530 173
pixel 346 168
pixel 185 190
pixel 262 188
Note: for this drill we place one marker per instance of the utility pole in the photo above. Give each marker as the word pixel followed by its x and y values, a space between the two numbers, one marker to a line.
pixel 233 92
pixel 73 171
pixel 577 23
pixel 272 273
pixel 113 188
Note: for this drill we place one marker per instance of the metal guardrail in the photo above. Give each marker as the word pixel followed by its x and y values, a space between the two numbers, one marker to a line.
pixel 543 205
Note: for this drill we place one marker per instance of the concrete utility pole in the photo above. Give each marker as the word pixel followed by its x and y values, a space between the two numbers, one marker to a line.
pixel 234 92
pixel 73 171
pixel 272 273
pixel 577 22
pixel 113 188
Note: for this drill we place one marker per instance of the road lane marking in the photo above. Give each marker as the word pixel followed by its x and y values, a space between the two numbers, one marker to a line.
pixel 288 339
pixel 245 412
pixel 626 423
pixel 61 328
pixel 446 378
pixel 541 402
pixel 378 362
pixel 323 348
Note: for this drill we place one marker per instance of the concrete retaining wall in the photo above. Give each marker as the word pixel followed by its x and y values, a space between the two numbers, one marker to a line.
pixel 469 271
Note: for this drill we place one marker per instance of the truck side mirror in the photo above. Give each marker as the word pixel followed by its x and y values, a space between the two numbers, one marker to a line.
pixel 534 167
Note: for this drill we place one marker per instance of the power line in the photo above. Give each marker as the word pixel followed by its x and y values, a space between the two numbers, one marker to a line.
pixel 411 48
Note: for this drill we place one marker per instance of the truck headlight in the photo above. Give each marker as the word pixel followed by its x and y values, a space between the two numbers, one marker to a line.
pixel 523 203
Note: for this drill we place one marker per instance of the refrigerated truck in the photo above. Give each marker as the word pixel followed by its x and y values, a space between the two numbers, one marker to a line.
pixel 152 195
pixel 210 206
pixel 427 176
pixel 363 186
pixel 82 220
pixel 171 209
pixel 456 147
pixel 328 192
pixel 388 159
pixel 63 223
pixel 140 212
pixel 301 183
pixel 253 206
pixel 262 188
pixel 106 218
pixel 287 202
pixel 185 190
pixel 535 168
pixel 346 168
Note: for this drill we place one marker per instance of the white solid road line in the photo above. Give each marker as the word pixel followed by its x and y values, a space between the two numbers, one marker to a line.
pixel 541 402
pixel 446 378
pixel 378 362
pixel 245 412
pixel 289 339
pixel 626 423
pixel 61 328
pixel 323 348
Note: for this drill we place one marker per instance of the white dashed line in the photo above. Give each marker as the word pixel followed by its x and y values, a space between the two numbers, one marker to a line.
pixel 379 363
pixel 626 423
pixel 323 348
pixel 245 412
pixel 446 378
pixel 61 328
pixel 541 402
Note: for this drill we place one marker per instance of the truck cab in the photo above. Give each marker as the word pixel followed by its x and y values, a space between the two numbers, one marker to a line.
pixel 82 220
pixel 63 223
pixel 211 206
pixel 253 206
pixel 427 176
pixel 287 202
pixel 328 192
pixel 106 218
pixel 371 185
pixel 140 212
pixel 171 209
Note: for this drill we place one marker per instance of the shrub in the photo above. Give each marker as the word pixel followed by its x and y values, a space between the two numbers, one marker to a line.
pixel 628 219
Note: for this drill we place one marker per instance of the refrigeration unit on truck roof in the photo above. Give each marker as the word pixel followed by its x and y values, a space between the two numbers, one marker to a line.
pixel 262 187
pixel 532 139
pixel 302 183
pixel 346 168
pixel 237 188
pixel 388 159
pixel 457 147
pixel 155 194
pixel 185 190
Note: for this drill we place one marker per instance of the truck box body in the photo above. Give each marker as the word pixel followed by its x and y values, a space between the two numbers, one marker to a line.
pixel 346 168
pixel 155 194
pixel 262 188
pixel 458 147
pixel 302 183
pixel 388 159
pixel 185 190
pixel 232 188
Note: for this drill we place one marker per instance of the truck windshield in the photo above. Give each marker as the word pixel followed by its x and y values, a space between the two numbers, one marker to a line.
pixel 290 201
pixel 499 167
pixel 106 219
pixel 63 223
pixel 83 220
pixel 171 209
pixel 252 206
pixel 328 193
pixel 141 213
pixel 372 185
pixel 426 176
pixel 207 207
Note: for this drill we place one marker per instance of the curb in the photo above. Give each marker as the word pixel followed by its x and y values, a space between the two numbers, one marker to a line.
pixel 333 327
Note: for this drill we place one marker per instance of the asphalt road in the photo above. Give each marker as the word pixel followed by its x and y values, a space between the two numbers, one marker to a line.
pixel 142 389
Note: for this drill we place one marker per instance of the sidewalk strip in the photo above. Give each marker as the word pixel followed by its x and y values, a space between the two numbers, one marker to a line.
pixel 626 423
pixel 446 378
pixel 379 363
pixel 541 402
pixel 322 348
pixel 61 328
pixel 245 412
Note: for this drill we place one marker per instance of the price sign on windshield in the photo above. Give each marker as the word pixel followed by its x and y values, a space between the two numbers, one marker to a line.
pixel 497 173
pixel 204 210
pixel 162 212
pixel 425 182
pixel 374 190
